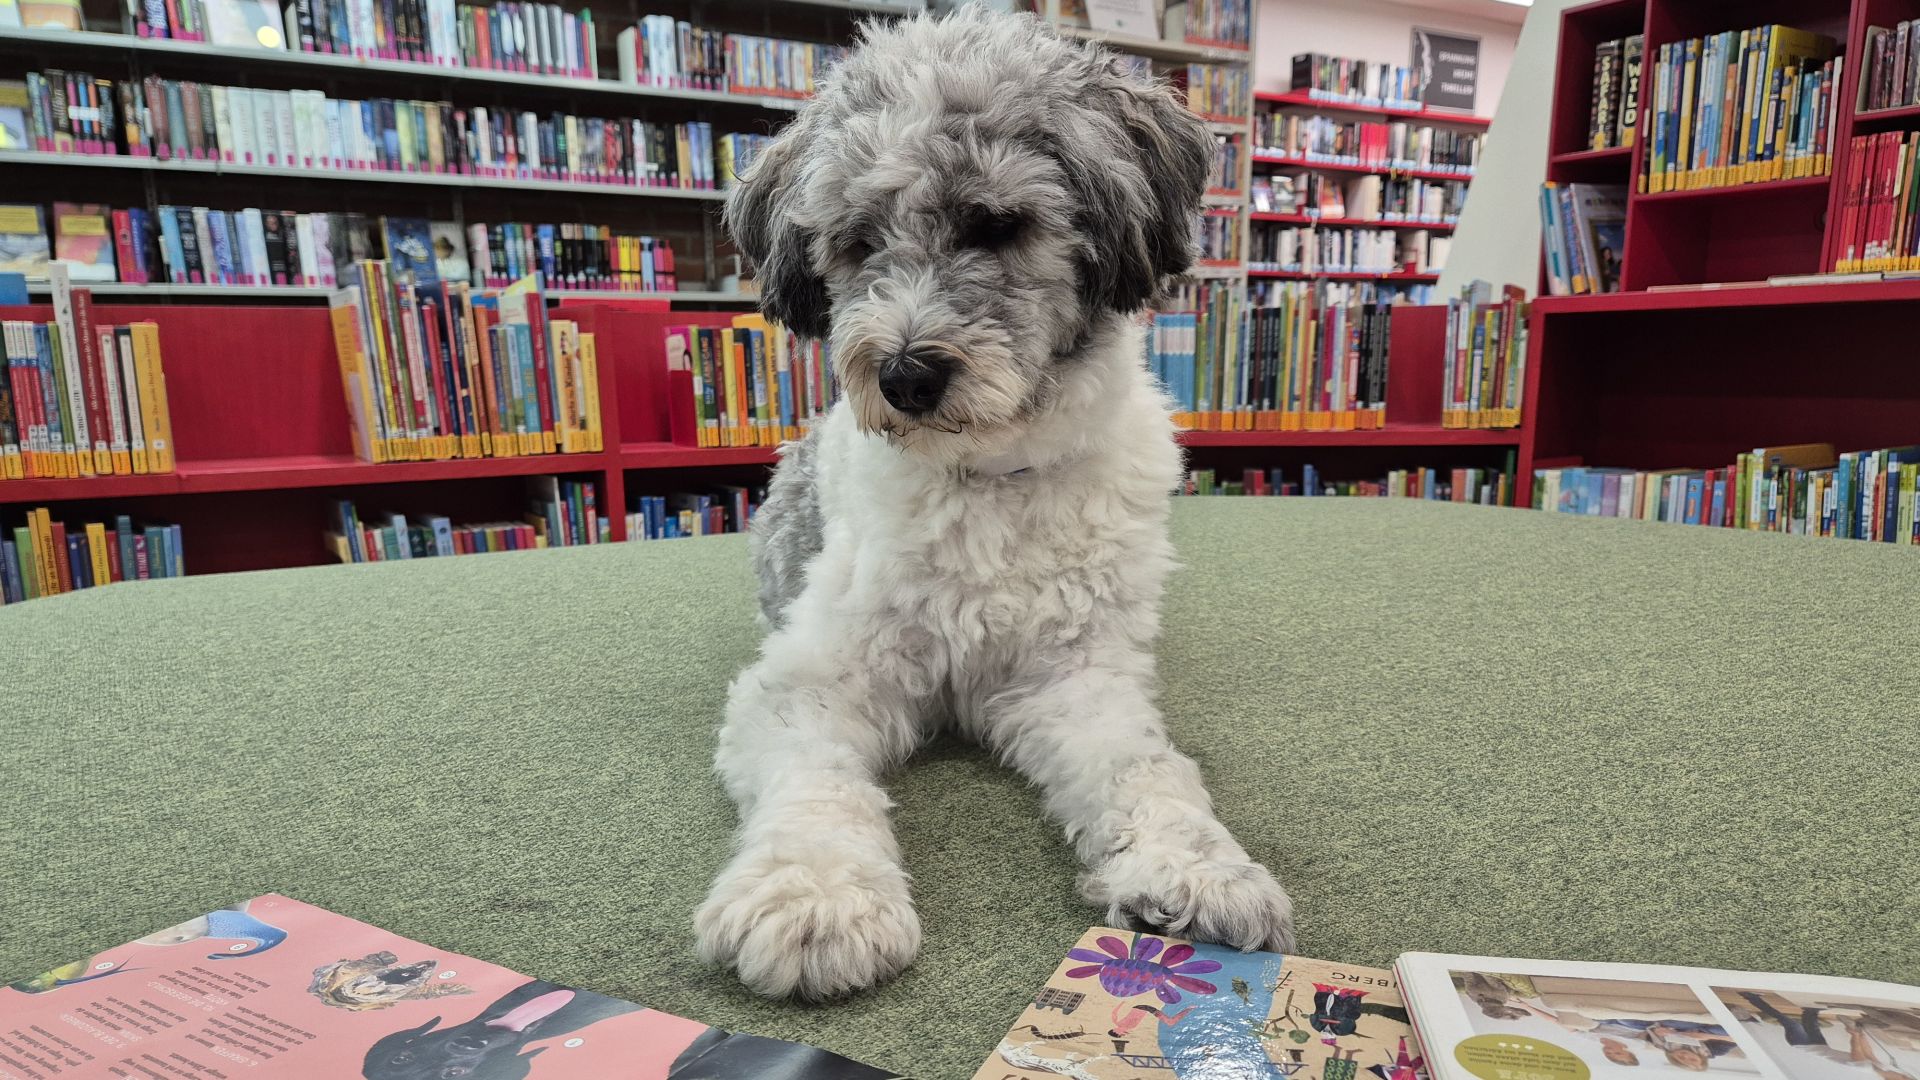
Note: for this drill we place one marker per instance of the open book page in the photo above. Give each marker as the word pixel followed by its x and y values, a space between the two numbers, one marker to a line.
pixel 272 987
pixel 1487 1019
pixel 1134 1006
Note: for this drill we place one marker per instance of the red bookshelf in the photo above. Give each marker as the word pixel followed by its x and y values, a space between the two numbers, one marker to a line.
pixel 1342 275
pixel 262 440
pixel 1304 100
pixel 1355 223
pixel 1262 157
pixel 1711 365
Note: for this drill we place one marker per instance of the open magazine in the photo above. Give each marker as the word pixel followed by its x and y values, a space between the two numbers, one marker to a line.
pixel 1125 1005
pixel 273 988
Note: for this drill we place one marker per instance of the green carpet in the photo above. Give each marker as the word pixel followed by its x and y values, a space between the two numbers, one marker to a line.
pixel 1446 728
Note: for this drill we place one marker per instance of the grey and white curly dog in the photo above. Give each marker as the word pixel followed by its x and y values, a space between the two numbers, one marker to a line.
pixel 971 211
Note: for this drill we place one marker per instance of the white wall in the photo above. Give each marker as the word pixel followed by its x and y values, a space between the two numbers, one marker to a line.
pixel 1499 235
pixel 1376 30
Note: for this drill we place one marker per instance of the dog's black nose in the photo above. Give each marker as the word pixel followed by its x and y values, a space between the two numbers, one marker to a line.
pixel 915 380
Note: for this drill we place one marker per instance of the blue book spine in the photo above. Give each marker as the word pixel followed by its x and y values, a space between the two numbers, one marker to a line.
pixel 218 224
pixel 49 387
pixel 548 268
pixel 787 418
pixel 177 550
pixel 1719 512
pixel 1694 487
pixel 1309 480
pixel 10 584
pixel 123 537
pixel 78 564
pixel 170 246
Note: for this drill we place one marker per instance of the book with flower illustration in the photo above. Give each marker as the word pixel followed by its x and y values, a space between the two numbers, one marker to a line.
pixel 272 987
pixel 1140 1006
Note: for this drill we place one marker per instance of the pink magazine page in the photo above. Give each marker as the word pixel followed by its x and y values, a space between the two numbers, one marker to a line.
pixel 273 987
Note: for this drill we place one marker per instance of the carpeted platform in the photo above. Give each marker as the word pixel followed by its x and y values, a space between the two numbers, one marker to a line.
pixel 1447 728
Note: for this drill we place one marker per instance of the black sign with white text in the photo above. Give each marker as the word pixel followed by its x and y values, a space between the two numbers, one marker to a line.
pixel 1449 67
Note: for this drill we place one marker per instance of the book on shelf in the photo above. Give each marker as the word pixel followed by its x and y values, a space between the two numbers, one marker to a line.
pixel 753 383
pixel 1891 79
pixel 1344 249
pixel 1741 107
pixel 1804 489
pixel 1222 92
pixel 46 557
pixel 83 241
pixel 1467 484
pixel 572 256
pixel 14 103
pixel 1122 1001
pixel 1313 357
pixel 1484 378
pixel 1613 115
pixel 24 246
pixel 560 513
pixel 728 509
pixel 1225 24
pixel 175 120
pixel 445 370
pixel 49 14
pixel 1880 211
pixel 662 51
pixel 296 990
pixel 1583 233
pixel 82 398
pixel 1364 82
pixel 1374 144
pixel 1220 236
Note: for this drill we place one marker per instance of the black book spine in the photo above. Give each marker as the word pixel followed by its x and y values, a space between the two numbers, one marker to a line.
pixel 275 228
pixel 196 270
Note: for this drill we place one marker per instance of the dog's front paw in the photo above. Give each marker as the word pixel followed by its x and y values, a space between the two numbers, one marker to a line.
pixel 813 924
pixel 1229 901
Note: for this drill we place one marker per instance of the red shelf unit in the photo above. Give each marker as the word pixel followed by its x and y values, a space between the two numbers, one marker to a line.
pixel 1689 378
pixel 262 438
pixel 1304 100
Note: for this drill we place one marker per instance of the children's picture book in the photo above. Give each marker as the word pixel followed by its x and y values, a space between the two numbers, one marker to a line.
pixel 83 241
pixel 1140 1006
pixel 23 240
pixel 252 24
pixel 272 987
pixel 409 244
pixel 450 252
pixel 14 105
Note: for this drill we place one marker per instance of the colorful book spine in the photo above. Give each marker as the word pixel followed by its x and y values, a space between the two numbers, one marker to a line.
pixel 42 557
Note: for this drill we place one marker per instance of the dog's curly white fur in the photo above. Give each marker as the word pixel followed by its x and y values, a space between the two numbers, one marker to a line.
pixel 973 195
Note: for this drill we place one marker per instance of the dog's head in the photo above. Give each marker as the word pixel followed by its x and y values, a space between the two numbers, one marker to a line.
pixel 966 202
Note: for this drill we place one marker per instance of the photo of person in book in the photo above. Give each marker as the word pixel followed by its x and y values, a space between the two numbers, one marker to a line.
pixel 1817 1037
pixel 1612 1025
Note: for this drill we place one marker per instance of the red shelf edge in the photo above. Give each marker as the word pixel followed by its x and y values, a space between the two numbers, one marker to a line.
pixel 1340 275
pixel 1389 436
pixel 1353 223
pixel 1301 98
pixel 1765 187
pixel 1261 157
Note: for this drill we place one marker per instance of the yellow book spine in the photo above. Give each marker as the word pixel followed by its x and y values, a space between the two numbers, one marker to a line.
pixel 42 522
pixel 146 362
pixel 97 552
pixel 590 367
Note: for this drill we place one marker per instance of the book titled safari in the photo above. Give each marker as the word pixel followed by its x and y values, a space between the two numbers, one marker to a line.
pixel 274 988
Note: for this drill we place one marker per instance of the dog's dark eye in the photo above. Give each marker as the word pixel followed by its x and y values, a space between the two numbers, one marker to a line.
pixel 858 250
pixel 992 231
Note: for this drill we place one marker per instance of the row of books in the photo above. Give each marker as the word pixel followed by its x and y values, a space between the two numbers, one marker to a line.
pixel 1340 78
pixel 1472 484
pixel 45 557
pixel 1362 198
pixel 736 152
pixel 1892 76
pixel 1484 373
pixel 1267 292
pixel 752 383
pixel 1374 144
pixel 449 371
pixel 1741 107
pixel 82 398
pixel 1314 249
pixel 185 245
pixel 560 513
pixel 1613 115
pixel 1880 219
pixel 74 112
pixel 662 51
pixel 1583 231
pixel 1225 165
pixel 1224 23
pixel 1316 360
pixel 1221 92
pixel 571 256
pixel 1220 234
pixel 1804 489
pixel 671 517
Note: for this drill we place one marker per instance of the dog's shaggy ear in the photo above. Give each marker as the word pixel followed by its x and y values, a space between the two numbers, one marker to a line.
pixel 757 216
pixel 1138 213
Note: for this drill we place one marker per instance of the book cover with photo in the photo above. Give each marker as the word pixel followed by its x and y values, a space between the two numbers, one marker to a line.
pixel 272 987
pixel 1488 1019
